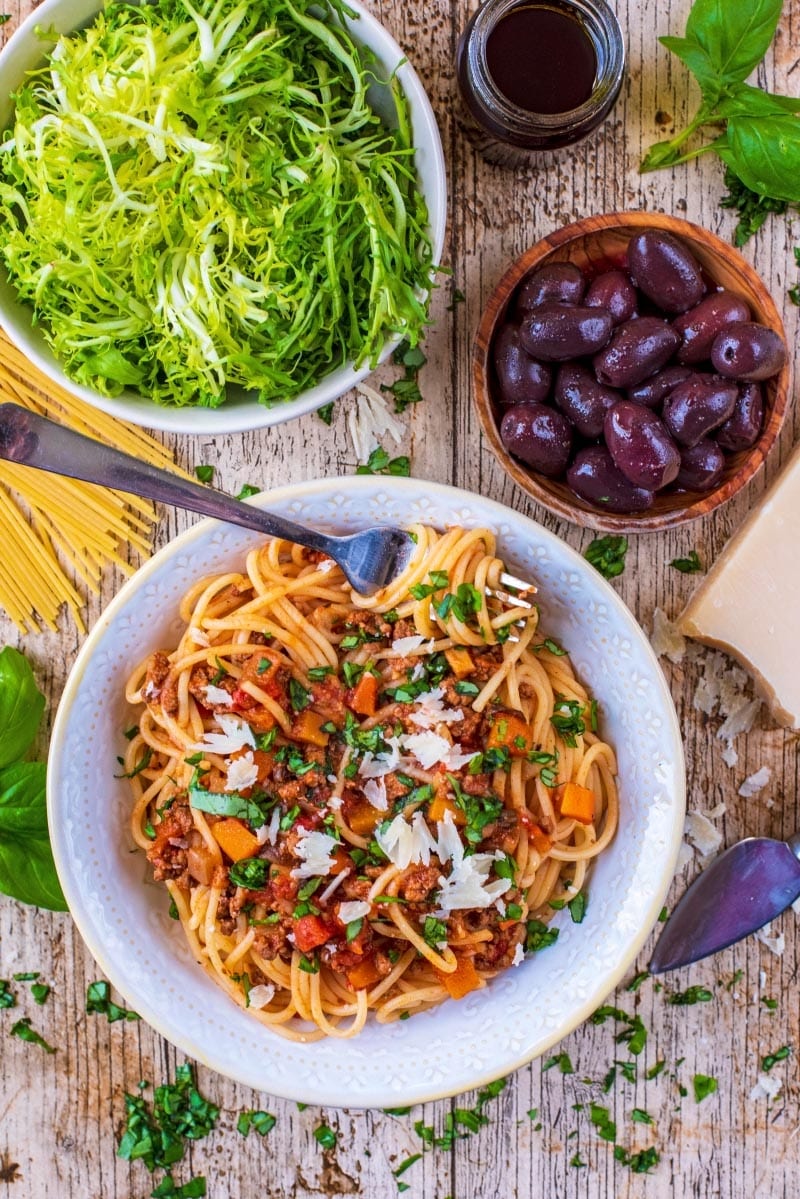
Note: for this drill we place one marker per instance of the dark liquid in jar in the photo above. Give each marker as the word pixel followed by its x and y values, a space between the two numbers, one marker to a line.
pixel 541 59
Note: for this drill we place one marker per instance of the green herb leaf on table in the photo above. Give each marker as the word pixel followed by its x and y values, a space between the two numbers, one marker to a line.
pixel 325 413
pixel 21 706
pixel 260 1122
pixel 704 1085
pixel 23 1030
pixel 204 473
pixel 99 1002
pixel 195 1188
pixel 379 463
pixel 27 869
pixel 771 1059
pixel 607 555
pixel 689 565
pixel 248 490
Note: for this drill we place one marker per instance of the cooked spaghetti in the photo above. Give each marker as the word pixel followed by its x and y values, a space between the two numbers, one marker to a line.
pixel 365 805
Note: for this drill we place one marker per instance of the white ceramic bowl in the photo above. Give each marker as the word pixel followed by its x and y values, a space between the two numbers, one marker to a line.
pixel 25 50
pixel 458 1045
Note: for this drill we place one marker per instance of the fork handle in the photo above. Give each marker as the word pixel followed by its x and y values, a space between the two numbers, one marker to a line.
pixel 33 440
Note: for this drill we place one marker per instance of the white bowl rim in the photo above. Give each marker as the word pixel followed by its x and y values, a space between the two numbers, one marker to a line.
pixel 244 415
pixel 299 1090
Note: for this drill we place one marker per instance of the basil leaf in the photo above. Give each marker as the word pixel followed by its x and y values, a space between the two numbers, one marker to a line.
pixel 765 154
pixel 21 705
pixel 231 803
pixel 696 58
pixel 27 869
pixel 746 101
pixel 735 37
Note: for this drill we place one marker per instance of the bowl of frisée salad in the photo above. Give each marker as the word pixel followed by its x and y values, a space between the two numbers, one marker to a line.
pixel 214 217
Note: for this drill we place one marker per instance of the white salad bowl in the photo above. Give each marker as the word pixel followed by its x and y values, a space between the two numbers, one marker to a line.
pixel 25 50
pixel 123 916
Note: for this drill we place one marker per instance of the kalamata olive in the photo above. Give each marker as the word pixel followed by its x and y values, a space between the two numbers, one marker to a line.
pixel 695 407
pixel 538 435
pixel 748 351
pixel 521 378
pixel 640 446
pixel 555 332
pixel 654 391
pixel 556 283
pixel 637 350
pixel 594 478
pixel 700 325
pixel 613 291
pixel 702 466
pixel 664 268
pixel 582 399
pixel 743 426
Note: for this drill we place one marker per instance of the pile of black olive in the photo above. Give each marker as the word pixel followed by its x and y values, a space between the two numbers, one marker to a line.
pixel 634 380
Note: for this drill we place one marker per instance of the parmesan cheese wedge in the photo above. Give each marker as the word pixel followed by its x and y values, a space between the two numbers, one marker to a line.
pixel 748 603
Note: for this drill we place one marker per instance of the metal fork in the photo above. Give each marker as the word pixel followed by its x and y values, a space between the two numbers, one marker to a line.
pixel 369 559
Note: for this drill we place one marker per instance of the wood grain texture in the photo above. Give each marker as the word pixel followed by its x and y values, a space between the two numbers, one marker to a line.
pixel 59 1115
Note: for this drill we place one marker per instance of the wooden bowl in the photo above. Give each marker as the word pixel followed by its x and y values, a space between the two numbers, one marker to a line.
pixel 599 243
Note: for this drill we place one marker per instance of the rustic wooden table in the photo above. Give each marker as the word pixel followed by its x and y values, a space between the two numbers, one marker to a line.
pixel 60 1115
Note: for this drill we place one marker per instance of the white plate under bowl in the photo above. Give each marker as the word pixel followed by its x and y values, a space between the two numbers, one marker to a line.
pixel 25 51
pixel 458 1045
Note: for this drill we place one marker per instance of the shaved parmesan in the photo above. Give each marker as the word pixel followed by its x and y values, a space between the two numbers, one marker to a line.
pixel 235 735
pixel 374 766
pixel 519 954
pixel 269 832
pixel 702 833
pixel 767 1087
pixel 685 855
pixel 666 641
pixel 315 850
pixel 353 909
pixel 331 887
pixel 467 885
pixel 430 748
pixel 430 711
pixel 407 843
pixel 449 846
pixel 729 755
pixel 198 636
pixel 369 419
pixel 218 695
pixel 775 944
pixel 740 720
pixel 375 791
pixel 755 782
pixel 261 995
pixel 406 645
pixel 242 772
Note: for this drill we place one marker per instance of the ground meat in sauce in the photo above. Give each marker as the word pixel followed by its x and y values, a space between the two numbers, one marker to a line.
pixel 418 882
pixel 158 687
pixel 502 834
pixel 354 888
pixel 167 858
pixel 486 664
pixel 499 953
pixel 201 678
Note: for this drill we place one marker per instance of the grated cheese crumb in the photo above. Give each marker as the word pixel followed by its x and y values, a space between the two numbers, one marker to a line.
pixel 729 755
pixel 755 782
pixel 685 855
pixel 218 695
pixel 702 833
pixel 269 832
pixel 767 1087
pixel 666 641
pixel 467 885
pixel 315 849
pixel 261 995
pixel 519 954
pixel 242 772
pixel 740 720
pixel 775 944
pixel 430 711
pixel 235 735
pixel 406 645
pixel 353 909
pixel 375 791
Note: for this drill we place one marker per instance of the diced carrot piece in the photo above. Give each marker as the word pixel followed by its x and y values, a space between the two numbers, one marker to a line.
pixel 577 803
pixel 310 932
pixel 235 839
pixel 440 805
pixel 460 661
pixel 364 974
pixel 341 861
pixel 465 978
pixel 307 726
pixel 362 818
pixel 365 695
pixel 511 732
pixel 541 842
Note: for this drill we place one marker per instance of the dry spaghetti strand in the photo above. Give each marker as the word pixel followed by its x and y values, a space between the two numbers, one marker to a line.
pixel 60 534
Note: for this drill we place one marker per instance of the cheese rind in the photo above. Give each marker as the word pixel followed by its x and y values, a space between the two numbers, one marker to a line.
pixel 749 603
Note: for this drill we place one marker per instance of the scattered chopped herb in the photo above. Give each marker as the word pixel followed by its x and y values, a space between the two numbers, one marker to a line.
pixel 704 1085
pixel 28 976
pixel 635 1035
pixel 141 765
pixel 552 646
pixel 23 1030
pixel 567 719
pixel 262 1122
pixel 463 687
pixel 662 915
pixel 779 1055
pixel 225 803
pixel 130 733
pixel 637 980
pixel 298 696
pixel 577 907
pixel 641 1117
pixel 195 1188
pixel 688 566
pixel 770 1004
pixel 407 1164
pixel 601 1119
pixel 539 936
pixel 40 991
pixel 173 913
pixel 325 413
pixel 397 1111
pixel 353 928
pixel 470 1119
pixel 690 996
pixel 562 1060
pixel 318 673
pixel 640 1163
pixel 655 1069
pixel 577 1161
pixel 250 873
pixel 458 298
pixel 608 1079
pixel 325 1136
pixel 465 602
pixel 247 490
pixel 379 463
pixel 309 965
pixel 438 581
pixel 7 997
pixel 607 555
pixel 434 932
pixel 628 1070
pixel 98 1001
pixel 204 473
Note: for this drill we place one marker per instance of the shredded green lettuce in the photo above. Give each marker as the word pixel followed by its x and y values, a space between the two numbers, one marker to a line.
pixel 199 197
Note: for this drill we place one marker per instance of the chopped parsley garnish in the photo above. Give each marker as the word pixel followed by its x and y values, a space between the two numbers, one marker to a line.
pixel 379 463
pixel 568 719
pixel 325 1136
pixel 434 932
pixel 635 1034
pixel 318 673
pixel 514 911
pixel 98 1001
pixel 309 965
pixel 261 1122
pixel 770 1004
pixel 464 687
pixel 464 603
pixel 639 1116
pixel 250 873
pixel 577 1162
pixel 179 1113
pixel 204 473
pixel 468 1119
pixel 539 936
pixel 607 555
pixel 130 733
pixel 772 1059
pixel 438 581
pixel 601 1119
pixel 637 980
pixel 247 490
pixel 656 1069
pixel 294 761
pixel 640 1163
pixel 23 1030
pixel 408 1163
pixel 298 696
pixel 353 928
pixel 704 1085
pixel 506 867
pixel 552 646
pixel 663 915
pixel 27 976
pixel 562 1060
pixel 195 1188
pixel 577 907
pixel 266 740
pixel 226 803
pixel 690 996
pixel 688 566
pixel 7 997
pixel 325 413
pixel 141 765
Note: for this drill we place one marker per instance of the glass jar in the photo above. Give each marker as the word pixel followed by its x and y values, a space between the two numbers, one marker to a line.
pixel 511 135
